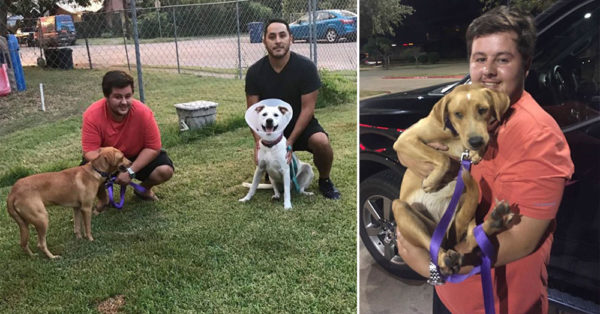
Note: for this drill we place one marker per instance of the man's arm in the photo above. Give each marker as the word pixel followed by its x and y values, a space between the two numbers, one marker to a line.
pixel 309 101
pixel 145 156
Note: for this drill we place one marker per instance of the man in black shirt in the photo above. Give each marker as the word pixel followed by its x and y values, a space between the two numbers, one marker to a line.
pixel 294 79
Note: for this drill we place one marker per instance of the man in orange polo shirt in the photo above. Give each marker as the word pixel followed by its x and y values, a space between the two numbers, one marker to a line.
pixel 127 124
pixel 527 163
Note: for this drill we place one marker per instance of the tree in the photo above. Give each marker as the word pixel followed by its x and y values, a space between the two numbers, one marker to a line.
pixel 532 6
pixel 377 19
pixel 28 9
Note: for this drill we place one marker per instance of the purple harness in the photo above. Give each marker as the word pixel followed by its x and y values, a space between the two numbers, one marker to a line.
pixel 486 246
pixel 109 187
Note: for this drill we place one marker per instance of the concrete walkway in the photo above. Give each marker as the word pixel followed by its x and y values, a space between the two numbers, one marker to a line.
pixel 407 77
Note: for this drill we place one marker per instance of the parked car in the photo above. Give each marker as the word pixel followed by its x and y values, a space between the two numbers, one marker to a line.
pixel 331 25
pixel 25 36
pixel 55 30
pixel 565 80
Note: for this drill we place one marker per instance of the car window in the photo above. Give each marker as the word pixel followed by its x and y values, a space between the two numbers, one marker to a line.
pixel 322 16
pixel 565 75
pixel 345 13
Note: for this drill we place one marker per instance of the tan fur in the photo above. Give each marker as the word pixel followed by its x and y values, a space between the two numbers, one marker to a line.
pixel 74 187
pixel 470 109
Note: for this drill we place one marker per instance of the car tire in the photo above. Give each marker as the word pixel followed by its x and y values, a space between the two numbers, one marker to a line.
pixel 376 222
pixel 331 36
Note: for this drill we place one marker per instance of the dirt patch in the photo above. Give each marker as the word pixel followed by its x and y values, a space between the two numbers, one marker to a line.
pixel 112 305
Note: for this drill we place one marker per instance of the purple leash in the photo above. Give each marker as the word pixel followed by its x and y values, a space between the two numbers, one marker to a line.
pixel 487 248
pixel 109 187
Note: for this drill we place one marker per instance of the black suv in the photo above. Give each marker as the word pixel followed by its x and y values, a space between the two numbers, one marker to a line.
pixel 565 81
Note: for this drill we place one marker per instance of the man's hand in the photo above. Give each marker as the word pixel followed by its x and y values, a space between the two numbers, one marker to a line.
pixel 419 167
pixel 123 178
pixel 415 257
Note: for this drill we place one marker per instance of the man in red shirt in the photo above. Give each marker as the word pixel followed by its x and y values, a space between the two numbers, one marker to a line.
pixel 527 163
pixel 125 123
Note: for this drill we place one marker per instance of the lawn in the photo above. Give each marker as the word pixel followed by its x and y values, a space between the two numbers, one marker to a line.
pixel 197 249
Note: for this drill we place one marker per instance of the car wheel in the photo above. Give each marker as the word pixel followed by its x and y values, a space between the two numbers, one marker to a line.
pixel 331 36
pixel 377 224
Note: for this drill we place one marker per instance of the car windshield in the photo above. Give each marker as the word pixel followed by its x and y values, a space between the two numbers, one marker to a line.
pixel 345 13
pixel 64 23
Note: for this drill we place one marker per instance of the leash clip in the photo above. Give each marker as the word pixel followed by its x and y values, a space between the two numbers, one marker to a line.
pixel 465 155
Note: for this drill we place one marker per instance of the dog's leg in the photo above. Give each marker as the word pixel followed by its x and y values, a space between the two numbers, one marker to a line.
pixel 86 212
pixel 41 225
pixel 102 200
pixel 287 183
pixel 276 194
pixel 501 218
pixel 258 173
pixel 23 225
pixel 304 178
pixel 77 222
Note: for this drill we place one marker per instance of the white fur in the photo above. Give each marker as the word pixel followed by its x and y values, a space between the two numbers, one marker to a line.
pixel 272 160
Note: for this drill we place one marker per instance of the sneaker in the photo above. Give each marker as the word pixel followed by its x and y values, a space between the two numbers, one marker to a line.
pixel 328 189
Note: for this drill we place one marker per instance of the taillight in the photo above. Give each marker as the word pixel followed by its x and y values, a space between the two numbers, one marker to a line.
pixel 347 21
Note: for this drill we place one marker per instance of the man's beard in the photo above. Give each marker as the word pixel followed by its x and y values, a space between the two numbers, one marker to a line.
pixel 285 52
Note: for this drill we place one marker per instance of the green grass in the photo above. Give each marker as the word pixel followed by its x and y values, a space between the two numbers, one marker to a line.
pixel 198 249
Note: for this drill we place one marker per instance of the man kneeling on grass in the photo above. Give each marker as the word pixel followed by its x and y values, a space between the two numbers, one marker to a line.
pixel 127 124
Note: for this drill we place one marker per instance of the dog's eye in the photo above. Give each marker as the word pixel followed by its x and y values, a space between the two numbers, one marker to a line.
pixel 264 114
pixel 458 115
pixel 275 115
pixel 482 110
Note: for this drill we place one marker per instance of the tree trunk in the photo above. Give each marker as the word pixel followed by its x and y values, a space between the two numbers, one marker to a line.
pixel 3 16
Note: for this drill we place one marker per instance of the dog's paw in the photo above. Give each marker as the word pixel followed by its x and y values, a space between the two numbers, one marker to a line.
pixel 308 193
pixel 287 207
pixel 452 261
pixel 275 197
pixel 245 199
pixel 501 217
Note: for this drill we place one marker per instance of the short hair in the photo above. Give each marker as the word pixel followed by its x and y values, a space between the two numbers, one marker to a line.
pixel 118 79
pixel 276 20
pixel 504 19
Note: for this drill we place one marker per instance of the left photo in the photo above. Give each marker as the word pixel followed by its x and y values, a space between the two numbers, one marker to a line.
pixel 170 156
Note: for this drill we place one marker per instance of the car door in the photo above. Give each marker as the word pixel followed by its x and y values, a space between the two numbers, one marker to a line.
pixel 565 80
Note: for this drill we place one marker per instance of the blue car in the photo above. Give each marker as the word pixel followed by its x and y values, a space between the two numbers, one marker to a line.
pixel 331 26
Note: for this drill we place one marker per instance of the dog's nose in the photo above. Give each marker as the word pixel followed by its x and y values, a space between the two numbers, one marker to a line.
pixel 269 122
pixel 475 141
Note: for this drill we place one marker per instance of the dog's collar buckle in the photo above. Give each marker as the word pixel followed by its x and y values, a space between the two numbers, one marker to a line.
pixel 272 143
pixel 465 155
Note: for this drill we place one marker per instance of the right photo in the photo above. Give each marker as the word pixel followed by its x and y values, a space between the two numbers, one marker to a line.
pixel 479 142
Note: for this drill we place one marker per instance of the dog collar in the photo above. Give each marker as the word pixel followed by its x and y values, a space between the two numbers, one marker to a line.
pixel 450 126
pixel 272 143
pixel 102 173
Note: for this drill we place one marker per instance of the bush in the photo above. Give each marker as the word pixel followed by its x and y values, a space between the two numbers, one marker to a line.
pixel 335 89
pixel 433 57
pixel 422 58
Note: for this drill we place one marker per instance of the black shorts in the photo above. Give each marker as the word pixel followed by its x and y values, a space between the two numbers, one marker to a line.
pixel 301 143
pixel 160 160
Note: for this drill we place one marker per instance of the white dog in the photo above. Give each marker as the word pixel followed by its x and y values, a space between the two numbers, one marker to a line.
pixel 268 118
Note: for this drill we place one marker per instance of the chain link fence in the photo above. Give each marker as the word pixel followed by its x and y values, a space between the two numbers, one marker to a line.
pixel 214 40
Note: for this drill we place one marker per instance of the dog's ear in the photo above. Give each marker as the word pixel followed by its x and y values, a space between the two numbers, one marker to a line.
pixel 283 110
pixel 259 108
pixel 440 110
pixel 101 162
pixel 500 102
pixel 117 157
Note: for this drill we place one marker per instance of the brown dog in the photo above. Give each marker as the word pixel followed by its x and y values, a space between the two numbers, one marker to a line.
pixel 74 187
pixel 460 121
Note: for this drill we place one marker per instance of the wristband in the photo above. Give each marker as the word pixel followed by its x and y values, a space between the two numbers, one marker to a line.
pixel 435 278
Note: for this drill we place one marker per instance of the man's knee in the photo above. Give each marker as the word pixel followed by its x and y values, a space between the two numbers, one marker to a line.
pixel 319 143
pixel 162 173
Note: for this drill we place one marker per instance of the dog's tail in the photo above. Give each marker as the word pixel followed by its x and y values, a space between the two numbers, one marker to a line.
pixel 261 186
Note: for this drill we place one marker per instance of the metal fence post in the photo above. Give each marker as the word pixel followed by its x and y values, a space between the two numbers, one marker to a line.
pixel 158 19
pixel 310 29
pixel 87 47
pixel 314 27
pixel 136 40
pixel 123 27
pixel 175 37
pixel 237 17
